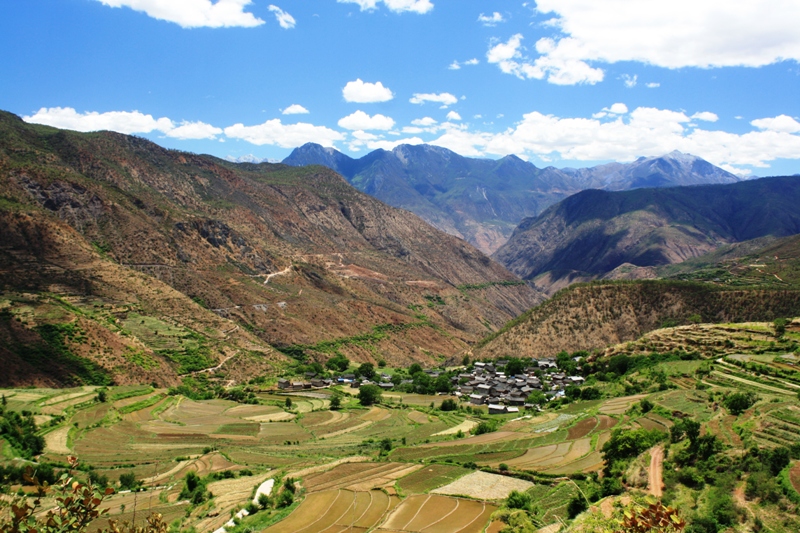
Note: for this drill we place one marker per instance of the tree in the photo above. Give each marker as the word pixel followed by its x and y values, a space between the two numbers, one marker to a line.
pixel 336 402
pixel 366 370
pixel 780 327
pixel 414 368
pixel 739 402
pixel 127 481
pixel 338 363
pixel 449 405
pixel 646 405
pixel 515 366
pixel 369 394
pixel 590 393
pixel 465 360
pixel 285 499
pixel 288 403
pixel 537 397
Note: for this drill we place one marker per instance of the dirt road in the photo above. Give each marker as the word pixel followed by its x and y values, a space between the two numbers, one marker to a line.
pixel 654 479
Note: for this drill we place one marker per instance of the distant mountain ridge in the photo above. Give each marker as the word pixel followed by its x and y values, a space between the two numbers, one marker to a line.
pixel 483 200
pixel 590 234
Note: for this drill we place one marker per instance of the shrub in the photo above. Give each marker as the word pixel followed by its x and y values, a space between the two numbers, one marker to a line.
pixel 576 506
pixel 519 500
pixel 484 427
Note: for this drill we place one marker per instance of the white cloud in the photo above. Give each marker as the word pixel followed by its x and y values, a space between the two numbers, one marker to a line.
pixel 127 122
pixel 781 123
pixel 452 115
pixel 365 92
pixel 644 132
pixel 558 69
pixel 194 130
pixel 274 132
pixel 653 85
pixel 398 6
pixel 362 121
pixel 424 121
pixel 455 65
pixel 194 13
pixel 681 33
pixel 630 81
pixel 491 20
pixel 284 19
pixel 617 109
pixel 295 109
pixel 446 99
pixel 391 145
pixel 120 121
pixel 706 116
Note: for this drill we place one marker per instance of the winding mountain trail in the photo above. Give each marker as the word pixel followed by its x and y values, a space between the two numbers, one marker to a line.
pixel 281 273
pixel 655 481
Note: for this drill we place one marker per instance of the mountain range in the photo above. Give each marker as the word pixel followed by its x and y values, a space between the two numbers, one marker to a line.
pixel 482 200
pixel 599 234
pixel 123 261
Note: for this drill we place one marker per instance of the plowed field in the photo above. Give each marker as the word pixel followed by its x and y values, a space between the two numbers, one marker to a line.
pixel 582 428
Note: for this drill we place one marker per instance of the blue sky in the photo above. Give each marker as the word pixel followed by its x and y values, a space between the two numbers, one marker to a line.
pixel 557 82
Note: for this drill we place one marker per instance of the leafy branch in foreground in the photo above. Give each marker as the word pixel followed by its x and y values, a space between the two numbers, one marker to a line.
pixel 77 506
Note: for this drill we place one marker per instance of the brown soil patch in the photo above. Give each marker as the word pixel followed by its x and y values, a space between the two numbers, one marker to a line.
pixel 606 422
pixel 655 483
pixel 794 476
pixel 56 441
pixel 582 428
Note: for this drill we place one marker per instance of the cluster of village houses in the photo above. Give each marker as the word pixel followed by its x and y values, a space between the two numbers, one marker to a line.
pixel 484 385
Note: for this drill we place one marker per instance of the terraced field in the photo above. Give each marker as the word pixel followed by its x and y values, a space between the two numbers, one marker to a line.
pixel 430 477
pixel 337 511
pixel 438 514
pixel 359 476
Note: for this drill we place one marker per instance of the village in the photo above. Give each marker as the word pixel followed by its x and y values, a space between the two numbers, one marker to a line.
pixel 482 383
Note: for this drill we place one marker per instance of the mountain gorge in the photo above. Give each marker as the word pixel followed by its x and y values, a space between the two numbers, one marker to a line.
pixel 482 200
pixel 188 262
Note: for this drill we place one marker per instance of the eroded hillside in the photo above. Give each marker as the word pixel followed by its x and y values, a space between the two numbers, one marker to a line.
pixel 281 256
